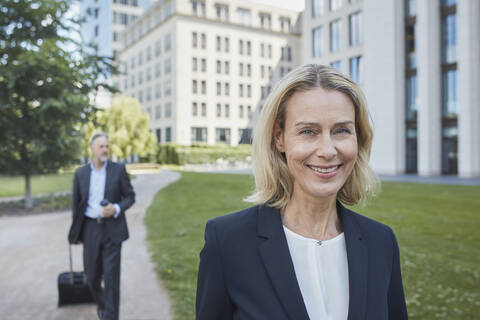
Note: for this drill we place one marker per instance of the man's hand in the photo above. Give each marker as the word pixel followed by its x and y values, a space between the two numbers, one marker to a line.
pixel 78 242
pixel 108 211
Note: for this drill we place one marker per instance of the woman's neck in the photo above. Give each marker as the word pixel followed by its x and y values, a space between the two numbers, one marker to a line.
pixel 312 218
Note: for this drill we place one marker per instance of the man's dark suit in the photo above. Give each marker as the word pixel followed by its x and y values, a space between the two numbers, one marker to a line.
pixel 246 271
pixel 102 241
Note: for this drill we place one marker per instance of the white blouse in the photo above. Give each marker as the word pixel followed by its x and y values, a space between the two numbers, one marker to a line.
pixel 321 268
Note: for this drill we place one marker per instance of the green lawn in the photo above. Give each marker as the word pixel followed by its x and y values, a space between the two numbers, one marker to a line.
pixel 436 226
pixel 41 184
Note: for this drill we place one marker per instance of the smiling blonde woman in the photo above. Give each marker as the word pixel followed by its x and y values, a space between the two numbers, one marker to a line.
pixel 299 253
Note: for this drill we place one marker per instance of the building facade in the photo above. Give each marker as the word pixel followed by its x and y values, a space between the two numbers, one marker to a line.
pixel 106 19
pixel 202 69
pixel 417 62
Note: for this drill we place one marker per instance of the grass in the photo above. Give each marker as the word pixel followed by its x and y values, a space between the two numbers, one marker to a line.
pixel 40 184
pixel 436 227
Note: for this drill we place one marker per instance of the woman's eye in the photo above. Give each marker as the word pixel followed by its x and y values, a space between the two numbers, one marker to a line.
pixel 307 132
pixel 343 130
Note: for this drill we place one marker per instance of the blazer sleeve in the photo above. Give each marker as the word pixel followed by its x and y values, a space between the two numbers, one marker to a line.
pixel 75 195
pixel 213 301
pixel 128 195
pixel 397 309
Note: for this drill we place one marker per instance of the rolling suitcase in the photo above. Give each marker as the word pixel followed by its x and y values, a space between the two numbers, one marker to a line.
pixel 72 286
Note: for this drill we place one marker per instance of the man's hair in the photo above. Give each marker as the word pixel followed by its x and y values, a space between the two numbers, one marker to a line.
pixel 273 181
pixel 98 135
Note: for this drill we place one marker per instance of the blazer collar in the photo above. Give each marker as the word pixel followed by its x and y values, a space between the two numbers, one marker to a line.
pixel 278 262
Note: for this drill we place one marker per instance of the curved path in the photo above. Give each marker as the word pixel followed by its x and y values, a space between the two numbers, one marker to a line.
pixel 34 250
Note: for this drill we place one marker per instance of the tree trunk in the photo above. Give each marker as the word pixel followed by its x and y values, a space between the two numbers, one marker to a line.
pixel 28 194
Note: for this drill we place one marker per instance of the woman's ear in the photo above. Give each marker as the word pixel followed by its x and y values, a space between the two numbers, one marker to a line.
pixel 278 138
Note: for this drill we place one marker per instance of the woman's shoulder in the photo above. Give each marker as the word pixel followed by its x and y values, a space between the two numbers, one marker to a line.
pixel 236 223
pixel 368 226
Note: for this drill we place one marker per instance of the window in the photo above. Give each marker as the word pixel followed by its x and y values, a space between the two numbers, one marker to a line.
pixel 158 112
pixel 168 42
pixel 410 31
pixel 227 44
pixel 168 134
pixel 245 136
pixel 158 91
pixel 204 109
pixel 158 70
pixel 168 66
pixel 159 135
pixel 140 58
pixel 194 64
pixel 337 65
pixel 194 86
pixel 244 16
pixel 240 69
pixel 132 82
pixel 249 91
pixel 270 72
pixel 249 112
pixel 317 8
pixel 149 53
pixel 450 94
pixel 140 96
pixel 240 112
pixel 240 90
pixel 227 111
pixel 219 88
pixel 158 48
pixel 167 87
pixel 355 69
pixel 240 47
pixel 335 4
pixel 289 53
pixel 219 110
pixel 194 109
pixel 221 11
pixel 335 35
pixel 96 31
pixel 219 66
pixel 227 67
pixel 227 89
pixel 204 87
pixel 249 48
pixel 199 134
pixel 265 20
pixel 115 36
pixel 198 8
pixel 410 8
pixel 149 74
pixel 168 110
pixel 219 43
pixel 262 72
pixel 204 65
pixel 262 50
pixel 249 70
pixel 194 39
pixel 222 135
pixel 412 97
pixel 140 77
pixel 269 50
pixel 449 38
pixel 355 26
pixel 285 24
pixel 204 41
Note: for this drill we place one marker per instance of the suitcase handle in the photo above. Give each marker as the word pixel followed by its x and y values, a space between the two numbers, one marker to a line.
pixel 71 267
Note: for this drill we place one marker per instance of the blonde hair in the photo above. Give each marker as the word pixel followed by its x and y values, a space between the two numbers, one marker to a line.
pixel 273 182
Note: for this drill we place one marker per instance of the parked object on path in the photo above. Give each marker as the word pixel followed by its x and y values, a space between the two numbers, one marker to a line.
pixel 72 286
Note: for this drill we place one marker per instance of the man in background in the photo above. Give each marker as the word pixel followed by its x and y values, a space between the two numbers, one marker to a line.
pixel 102 192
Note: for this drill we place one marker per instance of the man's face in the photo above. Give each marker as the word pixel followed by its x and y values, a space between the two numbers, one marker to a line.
pixel 100 149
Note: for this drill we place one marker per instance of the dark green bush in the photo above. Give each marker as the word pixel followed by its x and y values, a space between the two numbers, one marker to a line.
pixel 201 154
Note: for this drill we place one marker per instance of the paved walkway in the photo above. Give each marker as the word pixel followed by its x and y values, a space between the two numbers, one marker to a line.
pixel 34 251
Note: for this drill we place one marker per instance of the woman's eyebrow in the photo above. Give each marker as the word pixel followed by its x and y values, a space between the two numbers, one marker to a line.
pixel 306 123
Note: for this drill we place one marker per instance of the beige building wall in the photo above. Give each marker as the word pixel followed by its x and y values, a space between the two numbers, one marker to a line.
pixel 240 87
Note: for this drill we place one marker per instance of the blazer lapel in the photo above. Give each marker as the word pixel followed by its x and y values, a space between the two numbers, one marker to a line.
pixel 357 256
pixel 107 179
pixel 278 262
pixel 85 183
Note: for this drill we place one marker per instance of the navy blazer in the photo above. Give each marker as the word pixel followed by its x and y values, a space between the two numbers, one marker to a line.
pixel 246 271
pixel 118 189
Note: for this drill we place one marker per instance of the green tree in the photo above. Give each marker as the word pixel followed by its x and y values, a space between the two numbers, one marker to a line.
pixel 46 78
pixel 128 129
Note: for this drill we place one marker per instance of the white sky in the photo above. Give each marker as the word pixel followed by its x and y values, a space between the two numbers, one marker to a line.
pixel 297 5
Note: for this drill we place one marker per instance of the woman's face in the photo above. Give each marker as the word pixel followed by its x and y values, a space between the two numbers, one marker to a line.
pixel 319 141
